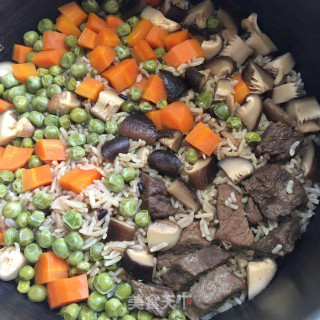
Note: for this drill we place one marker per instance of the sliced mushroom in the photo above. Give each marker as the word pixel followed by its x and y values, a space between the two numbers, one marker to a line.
pixel 185 194
pixel 250 111
pixel 107 105
pixel 63 103
pixel 173 12
pixel 131 8
pixel 175 86
pixel 112 148
pixel 308 127
pixel 202 173
pixel 143 153
pixel 139 264
pixel 230 103
pixel 257 79
pixel 196 33
pixel 226 20
pixel 120 231
pixel 165 162
pixel 221 66
pixel 223 89
pixel 194 79
pixel 280 66
pixel 171 138
pixel 260 274
pixel 212 47
pixel 199 14
pixel 5 68
pixel 284 93
pixel 276 114
pixel 138 126
pixel 236 168
pixel 228 34
pixel 311 162
pixel 163 233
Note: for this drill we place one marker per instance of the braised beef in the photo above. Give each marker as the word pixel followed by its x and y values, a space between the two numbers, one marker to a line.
pixel 276 113
pixel 253 212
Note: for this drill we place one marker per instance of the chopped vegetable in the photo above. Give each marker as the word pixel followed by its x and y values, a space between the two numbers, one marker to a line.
pixel 36 177
pixel 14 158
pixel 154 90
pixel 101 57
pixel 156 37
pixel 155 116
pixel 113 21
pixel 107 37
pixel 241 90
pixel 176 38
pixel 74 12
pixel 54 40
pixel 139 32
pixel 90 88
pixel 23 71
pixel 66 26
pixel 87 39
pixel 5 105
pixel 95 23
pixel 2 151
pixel 50 150
pixel 20 53
pixel 142 51
pixel 46 59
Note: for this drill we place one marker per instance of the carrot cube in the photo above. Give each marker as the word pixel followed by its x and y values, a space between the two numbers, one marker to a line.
pixel 142 51
pixel 90 88
pixel 87 39
pixel 36 177
pixel 101 57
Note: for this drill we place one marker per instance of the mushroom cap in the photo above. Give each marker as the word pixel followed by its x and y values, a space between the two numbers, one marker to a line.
pixel 5 68
pixel 221 66
pixel 110 149
pixel 199 14
pixel 62 103
pixel 120 231
pixel 212 47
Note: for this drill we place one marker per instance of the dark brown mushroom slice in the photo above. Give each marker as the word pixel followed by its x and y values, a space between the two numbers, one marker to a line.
pixel 194 79
pixel 221 66
pixel 112 148
pixel 276 113
pixel 175 86
pixel 202 173
pixel 138 126
pixel 185 194
pixel 171 138
pixel 131 8
pixel 120 231
pixel 173 12
pixel 311 162
pixel 196 33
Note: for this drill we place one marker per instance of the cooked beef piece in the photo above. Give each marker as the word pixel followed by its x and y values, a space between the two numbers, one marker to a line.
pixel 155 197
pixel 277 141
pixel 253 212
pixel 286 235
pixel 233 224
pixel 276 113
pixel 153 298
pixel 212 289
pixel 185 268
pixel 268 187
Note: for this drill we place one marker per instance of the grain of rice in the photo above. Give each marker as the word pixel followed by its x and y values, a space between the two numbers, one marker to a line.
pixel 289 187
pixel 276 249
pixel 159 246
pixel 292 150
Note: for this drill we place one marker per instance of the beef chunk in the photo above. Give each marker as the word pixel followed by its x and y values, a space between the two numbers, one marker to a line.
pixel 212 289
pixel 253 212
pixel 155 197
pixel 286 234
pixel 268 186
pixel 276 113
pixel 276 142
pixel 233 224
pixel 185 268
pixel 153 298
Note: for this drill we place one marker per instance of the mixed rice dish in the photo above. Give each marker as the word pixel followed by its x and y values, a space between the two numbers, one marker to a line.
pixel 154 162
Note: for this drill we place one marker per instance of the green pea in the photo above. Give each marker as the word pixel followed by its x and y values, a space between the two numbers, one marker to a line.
pixel 3 190
pixel 34 162
pixel 90 6
pixel 16 91
pixel 9 81
pixel 51 132
pixel 77 153
pixel 30 96
pixel 32 252
pixel 94 72
pixel 55 70
pixel 42 72
pixel 10 236
pixel 30 37
pixel 18 172
pixel 41 93
pixel 37 293
pixel 30 56
pixel 162 103
pixel 111 127
pixel 75 257
pixel 70 312
pixel 22 220
pixel 37 46
pixel 42 200
pixel 83 267
pixel 123 291
pixel 86 313
pixel 36 118
pixel 53 89
pixel 122 52
pixel 177 314
pixel 36 218
pixel 234 123
pixel 113 267
pixel 144 315
pixel 47 80
pixel 25 237
pixel 33 84
pixel 128 207
pixel 252 138
pixel 60 80
pixel 45 25
pixel 204 100
pixel 17 186
pixel 103 283
pixel 213 25
pixel 70 41
pixel 129 174
pixel 64 121
pixel 5 95
pixel 128 106
pixel 142 218
pixel 26 115
pixel 132 21
pixel 96 126
pixel 128 317
pixel 6 176
pixel 73 219
pixel 78 70
pixel 27 143
pixel 150 66
pixel 78 51
pixel 124 29
pixel 21 103
pixel 160 53
pixel 67 59
pixel 97 301
pixel 145 106
pixel 26 273
pixel 96 251
pixel 45 239
pixel 60 248
pixel 124 40
pixel 110 6
pixel 82 26
pixel 74 240
pixel 51 120
pixel 76 139
pixel 114 182
pixel 72 84
pixel 40 104
pixel 1 89
pixel 12 209
pixel 72 272
pixel 221 110
pixel 23 286
pixel 113 307
pixel 135 94
pixel 191 156
pixel 93 139
pixel 78 115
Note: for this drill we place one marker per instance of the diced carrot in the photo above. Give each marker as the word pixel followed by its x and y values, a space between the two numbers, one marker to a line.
pixel 123 75
pixel 53 40
pixel 107 37
pixel 101 57
pixel 49 268
pixel 46 59
pixel 156 37
pixel 139 32
pixel 203 138
pixel 155 116
pixel 36 177
pixel 113 21
pixel 66 291
pixel 183 52
pixel 22 71
pixel 2 149
pixel 74 12
pixel 142 51
pixel 20 53
pixel 154 3
pixel 76 180
pixel 14 158
pixel 154 89
pixel 5 105
pixel 175 38
pixel 87 39
pixel 141 84
pixel 50 150
pixel 177 116
pixel 1 238
pixel 90 88
pixel 241 90
pixel 65 25
pixel 95 23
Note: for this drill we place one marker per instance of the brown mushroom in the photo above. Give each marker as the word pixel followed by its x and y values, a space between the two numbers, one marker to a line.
pixel 131 8
pixel 143 153
pixel 276 114
pixel 308 127
pixel 194 79
pixel 227 20
pixel 223 89
pixel 175 85
pixel 120 231
pixel 221 66
pixel 199 14
pixel 173 12
pixel 212 47
pixel 311 162
pixel 63 103
pixel 171 138
pixel 284 93
pixel 112 148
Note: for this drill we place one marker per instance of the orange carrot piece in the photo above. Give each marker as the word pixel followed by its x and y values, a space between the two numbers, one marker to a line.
pixel 107 37
pixel 177 116
pixel 123 75
pixel 50 150
pixel 203 138
pixel 36 177
pixel 175 38
pixel 142 51
pixel 141 84
pixel 49 268
pixel 53 40
pixel 20 53
pixel 5 105
pixel 101 57
pixel 113 21
pixel 66 291
pixel 2 149
pixel 66 26
pixel 154 89
pixel 76 180
pixel 154 3
pixel 156 37
pixel 241 90
pixel 183 52
pixel 22 71
pixel 87 39
pixel 155 116
pixel 14 158
pixel 46 59
pixel 74 12
pixel 139 32
pixel 90 88
pixel 1 238
pixel 95 23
